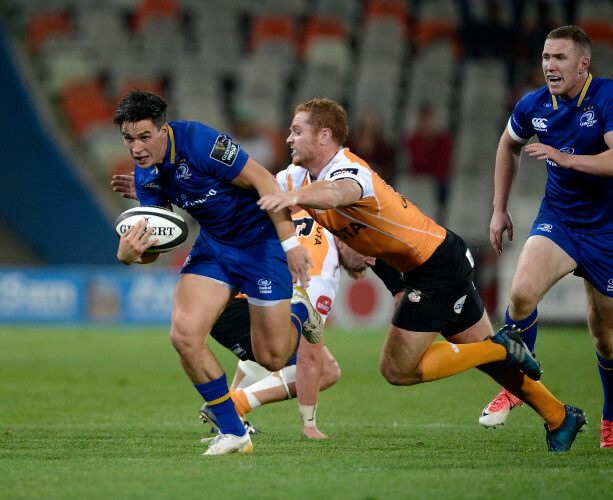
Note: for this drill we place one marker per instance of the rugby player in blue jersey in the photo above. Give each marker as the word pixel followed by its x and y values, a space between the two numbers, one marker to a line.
pixel 239 248
pixel 572 117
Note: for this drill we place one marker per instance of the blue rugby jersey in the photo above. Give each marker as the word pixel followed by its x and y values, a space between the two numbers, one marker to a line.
pixel 196 175
pixel 583 201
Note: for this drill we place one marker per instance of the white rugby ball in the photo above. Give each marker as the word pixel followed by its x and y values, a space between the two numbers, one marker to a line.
pixel 168 227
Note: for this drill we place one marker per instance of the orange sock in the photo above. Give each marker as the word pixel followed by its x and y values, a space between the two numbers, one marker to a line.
pixel 536 395
pixel 443 359
pixel 240 402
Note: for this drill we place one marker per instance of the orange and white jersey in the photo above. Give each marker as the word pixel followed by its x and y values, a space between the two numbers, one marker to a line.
pixel 382 223
pixel 325 274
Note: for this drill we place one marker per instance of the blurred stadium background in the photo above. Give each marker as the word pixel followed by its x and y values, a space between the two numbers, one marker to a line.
pixel 65 63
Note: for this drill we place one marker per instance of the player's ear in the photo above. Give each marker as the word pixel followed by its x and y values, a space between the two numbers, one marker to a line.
pixel 325 134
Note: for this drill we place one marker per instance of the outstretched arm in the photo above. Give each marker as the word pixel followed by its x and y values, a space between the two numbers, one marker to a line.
pixel 320 194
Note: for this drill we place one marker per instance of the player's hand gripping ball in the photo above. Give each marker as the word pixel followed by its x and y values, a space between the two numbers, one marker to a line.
pixel 168 227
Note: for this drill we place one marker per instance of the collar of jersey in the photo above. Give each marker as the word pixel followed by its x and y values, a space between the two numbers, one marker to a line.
pixel 173 154
pixel 171 138
pixel 326 169
pixel 581 95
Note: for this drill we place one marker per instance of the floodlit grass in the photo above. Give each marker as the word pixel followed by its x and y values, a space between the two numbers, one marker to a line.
pixel 108 413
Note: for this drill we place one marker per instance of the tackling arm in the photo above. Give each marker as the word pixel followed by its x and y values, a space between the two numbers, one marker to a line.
pixel 320 194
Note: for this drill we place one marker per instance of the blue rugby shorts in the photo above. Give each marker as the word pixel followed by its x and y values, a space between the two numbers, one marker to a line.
pixel 259 270
pixel 591 252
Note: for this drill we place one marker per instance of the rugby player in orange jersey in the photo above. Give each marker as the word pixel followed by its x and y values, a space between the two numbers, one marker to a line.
pixel 344 195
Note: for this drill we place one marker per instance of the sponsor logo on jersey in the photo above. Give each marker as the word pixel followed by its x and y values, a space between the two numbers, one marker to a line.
pixel 192 203
pixel 153 185
pixel 341 171
pixel 225 150
pixel 539 124
pixel 610 285
pixel 323 304
pixel 545 227
pixel 183 171
pixel 414 295
pixel 588 119
pixel 457 307
pixel 238 350
pixel 566 150
pixel 348 231
pixel 265 285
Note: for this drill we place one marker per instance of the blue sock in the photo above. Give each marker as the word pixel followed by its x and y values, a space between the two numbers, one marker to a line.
pixel 606 375
pixel 299 315
pixel 527 326
pixel 217 396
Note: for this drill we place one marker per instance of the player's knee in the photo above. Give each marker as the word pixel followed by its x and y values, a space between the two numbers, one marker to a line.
pixel 397 375
pixel 180 340
pixel 182 337
pixel 270 360
pixel 604 346
pixel 331 374
pixel 524 298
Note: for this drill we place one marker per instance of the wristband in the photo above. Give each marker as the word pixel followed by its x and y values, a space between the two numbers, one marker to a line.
pixel 307 414
pixel 290 243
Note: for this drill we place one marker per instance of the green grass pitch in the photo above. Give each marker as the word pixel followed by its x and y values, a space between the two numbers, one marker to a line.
pixel 101 413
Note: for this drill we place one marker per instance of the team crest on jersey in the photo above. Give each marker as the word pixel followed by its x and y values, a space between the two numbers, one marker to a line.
pixel 183 171
pixel 588 119
pixel 225 150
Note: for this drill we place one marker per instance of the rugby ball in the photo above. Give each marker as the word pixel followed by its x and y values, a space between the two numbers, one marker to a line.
pixel 168 227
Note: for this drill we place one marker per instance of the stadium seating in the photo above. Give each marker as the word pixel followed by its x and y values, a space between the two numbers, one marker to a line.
pixel 64 62
pixel 45 25
pixel 207 58
pixel 435 62
pixel 146 10
pixel 326 59
pixel 436 19
pixel 85 105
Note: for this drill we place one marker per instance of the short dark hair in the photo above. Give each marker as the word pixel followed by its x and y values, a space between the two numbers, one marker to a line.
pixel 574 33
pixel 141 105
pixel 325 113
